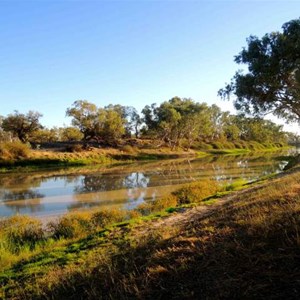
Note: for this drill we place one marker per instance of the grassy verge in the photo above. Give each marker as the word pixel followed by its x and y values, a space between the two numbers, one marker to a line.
pixel 246 248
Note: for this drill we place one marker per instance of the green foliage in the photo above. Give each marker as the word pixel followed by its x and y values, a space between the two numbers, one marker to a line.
pixel 183 122
pixel 178 119
pixel 67 134
pixel 113 126
pixel 22 126
pixel 44 135
pixel 102 124
pixel 272 83
pixel 84 116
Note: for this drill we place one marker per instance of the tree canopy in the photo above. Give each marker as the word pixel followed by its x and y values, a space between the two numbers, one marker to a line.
pixel 272 83
pixel 22 125
pixel 102 124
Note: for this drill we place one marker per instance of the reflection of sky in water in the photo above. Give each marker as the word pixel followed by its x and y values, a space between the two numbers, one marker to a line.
pixel 42 195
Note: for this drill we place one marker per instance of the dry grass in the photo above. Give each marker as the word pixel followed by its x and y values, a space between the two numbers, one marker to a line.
pixel 10 151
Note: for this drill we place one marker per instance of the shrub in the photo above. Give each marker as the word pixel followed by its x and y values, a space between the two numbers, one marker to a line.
pixel 197 191
pixel 71 225
pixel 13 150
pixel 18 231
pixel 108 216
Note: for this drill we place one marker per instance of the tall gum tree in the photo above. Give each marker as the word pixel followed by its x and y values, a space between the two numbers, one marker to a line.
pixel 272 83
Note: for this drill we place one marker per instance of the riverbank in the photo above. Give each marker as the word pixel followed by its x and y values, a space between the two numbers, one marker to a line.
pixel 240 242
pixel 29 160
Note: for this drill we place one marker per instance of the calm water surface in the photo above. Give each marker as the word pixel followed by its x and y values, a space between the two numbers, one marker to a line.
pixel 56 192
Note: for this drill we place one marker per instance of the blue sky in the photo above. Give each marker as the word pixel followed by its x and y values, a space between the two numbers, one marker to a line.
pixel 129 52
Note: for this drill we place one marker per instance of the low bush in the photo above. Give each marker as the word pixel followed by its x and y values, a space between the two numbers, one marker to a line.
pixel 14 150
pixel 71 225
pixel 197 191
pixel 19 231
pixel 104 217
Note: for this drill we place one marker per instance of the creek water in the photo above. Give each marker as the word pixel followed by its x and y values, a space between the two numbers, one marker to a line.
pixel 55 192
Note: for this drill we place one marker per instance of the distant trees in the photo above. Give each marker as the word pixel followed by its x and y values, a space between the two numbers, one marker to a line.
pixel 182 122
pixel 272 83
pixel 176 119
pixel 22 126
pixel 178 122
pixel 102 124
pixel 44 135
pixel 257 129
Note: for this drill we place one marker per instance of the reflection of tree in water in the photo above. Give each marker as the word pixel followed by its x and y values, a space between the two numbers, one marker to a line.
pixel 7 196
pixel 23 198
pixel 246 169
pixel 109 182
pixel 81 205
pixel 137 184
pixel 136 180
pixel 133 182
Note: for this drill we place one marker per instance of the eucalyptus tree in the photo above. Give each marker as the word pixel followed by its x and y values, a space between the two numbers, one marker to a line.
pixel 177 120
pixel 272 82
pixel 85 117
pixel 22 126
pixel 101 124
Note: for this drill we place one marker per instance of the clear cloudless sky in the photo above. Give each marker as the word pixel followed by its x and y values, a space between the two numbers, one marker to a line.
pixel 128 52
